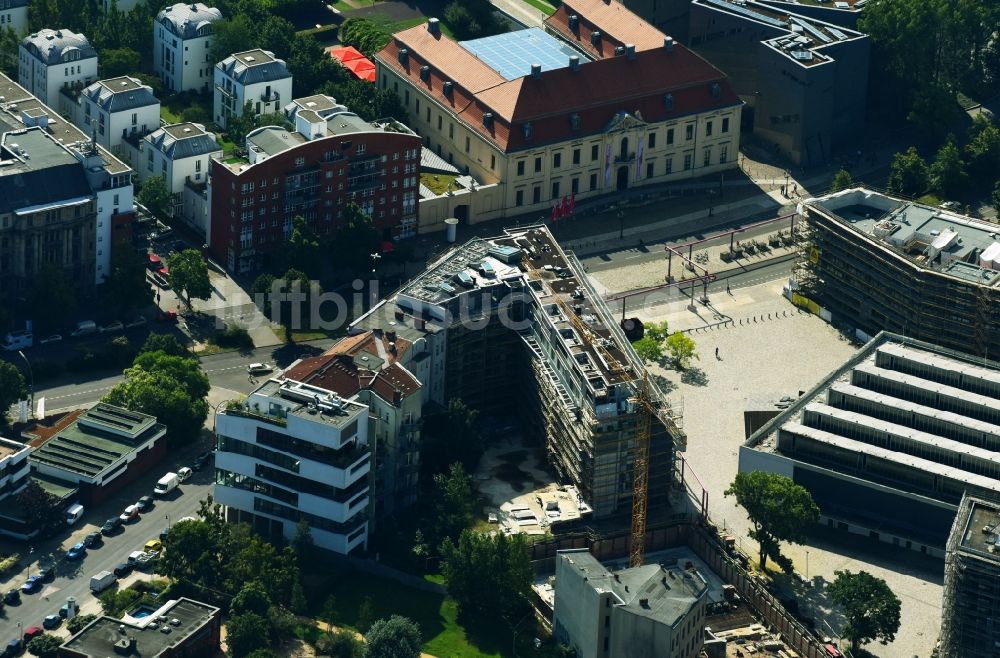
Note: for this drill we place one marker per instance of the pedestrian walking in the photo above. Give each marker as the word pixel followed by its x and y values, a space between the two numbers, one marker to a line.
pixel 716 352
pixel 728 291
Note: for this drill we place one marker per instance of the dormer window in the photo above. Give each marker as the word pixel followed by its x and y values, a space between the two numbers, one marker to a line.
pixel 528 130
pixel 574 121
pixel 668 102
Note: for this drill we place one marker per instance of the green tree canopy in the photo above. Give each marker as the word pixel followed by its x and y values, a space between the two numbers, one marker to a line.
pixel 166 343
pixel 41 508
pixel 252 597
pixel 471 19
pixel 488 574
pixel 156 196
pixel 947 172
pixel 52 298
pixel 649 349
pixel 76 624
pixel 908 174
pixel 246 633
pixel 872 609
pixel 188 275
pixel 45 646
pixel 454 503
pixel 366 35
pixel 681 348
pixel 355 241
pixel 440 442
pixel 12 388
pixel 125 288
pixel 983 149
pixel 779 510
pixel 395 637
pixel 842 180
pixel 119 61
pixel 995 197
pixel 658 331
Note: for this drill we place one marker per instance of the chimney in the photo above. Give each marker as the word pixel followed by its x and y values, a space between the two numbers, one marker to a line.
pixel 403 55
pixel 668 44
pixel 434 26
pixel 536 71
pixel 574 23
pixel 574 63
pixel 446 88
pixel 595 38
pixel 630 51
pixel 619 51
pixel 643 603
pixel 488 119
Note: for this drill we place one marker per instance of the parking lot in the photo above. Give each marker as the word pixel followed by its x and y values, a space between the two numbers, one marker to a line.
pixel 72 576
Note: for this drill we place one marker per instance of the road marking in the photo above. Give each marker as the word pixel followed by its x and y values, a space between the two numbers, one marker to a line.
pixel 70 395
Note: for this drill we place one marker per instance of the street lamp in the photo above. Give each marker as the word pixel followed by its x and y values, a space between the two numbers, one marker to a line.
pixel 167 516
pixel 31 386
pixel 621 224
pixel 807 565
pixel 375 258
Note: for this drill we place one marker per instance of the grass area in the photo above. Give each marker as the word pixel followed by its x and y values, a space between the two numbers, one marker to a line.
pixel 965 102
pixel 930 200
pixel 542 6
pixel 302 336
pixel 438 183
pixel 436 615
pixel 172 108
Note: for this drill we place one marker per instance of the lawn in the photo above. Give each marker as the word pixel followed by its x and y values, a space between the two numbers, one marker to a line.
pixel 929 200
pixel 436 614
pixel 438 183
pixel 172 107
pixel 542 6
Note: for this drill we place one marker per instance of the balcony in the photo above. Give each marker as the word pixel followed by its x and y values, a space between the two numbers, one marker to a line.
pixel 624 157
pixel 273 97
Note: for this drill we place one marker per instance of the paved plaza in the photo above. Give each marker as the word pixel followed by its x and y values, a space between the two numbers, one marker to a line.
pixel 770 350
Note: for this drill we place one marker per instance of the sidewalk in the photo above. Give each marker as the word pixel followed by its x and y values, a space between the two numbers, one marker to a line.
pixel 520 11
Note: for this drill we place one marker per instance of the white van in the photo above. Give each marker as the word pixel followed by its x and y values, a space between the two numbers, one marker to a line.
pixel 18 340
pixel 166 484
pixel 73 513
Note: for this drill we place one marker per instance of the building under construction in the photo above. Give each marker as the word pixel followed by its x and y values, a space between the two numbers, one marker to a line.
pixel 512 326
pixel 882 263
pixel 971 603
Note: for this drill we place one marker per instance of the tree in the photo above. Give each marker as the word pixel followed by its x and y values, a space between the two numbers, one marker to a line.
pixel 302 249
pixel 125 287
pixel 12 388
pixel 52 297
pixel 842 180
pixel 310 65
pixel 262 653
pixel 658 331
pixel 649 349
pixel 166 343
pixel 9 44
pixel 395 637
pixel 189 275
pixel 870 607
pixel 947 173
pixel 231 35
pixel 329 612
pixel 252 598
pixel 156 196
pixel 42 509
pixel 908 174
pixel 454 502
pixel 342 643
pixel 471 19
pixel 364 34
pixel 119 61
pixel 355 241
pixel 489 575
pixel 681 349
pixel 449 437
pixel 45 646
pixel 983 149
pixel 366 614
pixel 302 542
pixel 246 633
pixel 996 197
pixel 191 555
pixel 76 624
pixel 779 509
pixel 172 388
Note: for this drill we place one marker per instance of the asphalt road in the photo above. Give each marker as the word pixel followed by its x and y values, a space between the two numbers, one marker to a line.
pixel 73 577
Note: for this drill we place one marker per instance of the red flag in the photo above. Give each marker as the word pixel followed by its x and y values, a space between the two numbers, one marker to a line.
pixel 555 214
pixel 572 203
pixel 564 206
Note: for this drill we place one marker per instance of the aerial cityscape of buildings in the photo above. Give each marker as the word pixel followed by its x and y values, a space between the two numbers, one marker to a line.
pixel 641 305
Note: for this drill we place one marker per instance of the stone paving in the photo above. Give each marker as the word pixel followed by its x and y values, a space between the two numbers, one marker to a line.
pixel 771 350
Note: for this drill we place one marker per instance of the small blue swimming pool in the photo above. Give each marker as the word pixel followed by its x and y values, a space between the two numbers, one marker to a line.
pixel 142 612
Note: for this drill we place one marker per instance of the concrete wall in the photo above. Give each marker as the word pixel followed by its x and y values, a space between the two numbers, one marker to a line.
pixel 578 616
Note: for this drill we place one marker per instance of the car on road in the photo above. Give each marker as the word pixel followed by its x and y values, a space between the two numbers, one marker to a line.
pixel 111 327
pixel 153 546
pixel 51 338
pixel 259 368
pixel 32 585
pixel 13 648
pixel 202 459
pixel 167 316
pixel 161 234
pixel 123 569
pixel 111 526
pixel 145 504
pixel 93 540
pixel 136 322
pixel 12 597
pixel 51 621
pixel 184 473
pixel 77 552
pixel 130 514
pixel 47 574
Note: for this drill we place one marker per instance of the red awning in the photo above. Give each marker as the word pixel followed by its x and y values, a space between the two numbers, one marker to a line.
pixel 153 258
pixel 362 69
pixel 345 53
pixel 388 247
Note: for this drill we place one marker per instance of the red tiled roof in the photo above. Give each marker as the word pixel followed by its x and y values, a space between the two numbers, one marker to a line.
pixel 618 26
pixel 596 92
pixel 37 432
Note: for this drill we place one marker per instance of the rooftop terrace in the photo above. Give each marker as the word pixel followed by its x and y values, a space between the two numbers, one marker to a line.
pixel 981 534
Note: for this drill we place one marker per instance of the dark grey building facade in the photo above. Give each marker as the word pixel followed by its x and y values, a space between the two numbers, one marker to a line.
pixel 804 81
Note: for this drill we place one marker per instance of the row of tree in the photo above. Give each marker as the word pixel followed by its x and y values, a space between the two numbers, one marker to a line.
pixel 657 342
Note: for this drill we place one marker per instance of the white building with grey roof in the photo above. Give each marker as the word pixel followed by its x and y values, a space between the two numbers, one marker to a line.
pixel 182 40
pixel 50 60
pixel 14 14
pixel 651 610
pixel 256 77
pixel 181 154
pixel 117 109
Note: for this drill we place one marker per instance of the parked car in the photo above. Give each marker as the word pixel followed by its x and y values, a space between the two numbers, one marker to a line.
pixel 111 526
pixel 47 574
pixel 84 328
pixel 161 234
pixel 163 534
pixel 130 514
pixel 136 322
pixel 167 316
pixel 12 597
pixel 32 585
pixel 51 338
pixel 93 540
pixel 32 633
pixel 152 546
pixel 202 459
pixel 184 473
pixel 112 327
pixel 145 504
pixel 51 621
pixel 123 569
pixel 77 552
pixel 14 648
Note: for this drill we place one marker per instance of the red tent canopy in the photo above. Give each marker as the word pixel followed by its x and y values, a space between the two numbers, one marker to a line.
pixel 345 53
pixel 362 69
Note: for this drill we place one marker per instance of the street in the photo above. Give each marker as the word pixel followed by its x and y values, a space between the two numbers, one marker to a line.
pixel 73 577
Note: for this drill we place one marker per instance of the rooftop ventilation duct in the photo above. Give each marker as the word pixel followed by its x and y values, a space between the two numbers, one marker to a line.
pixel 434 26
pixel 574 63
pixel 536 71
pixel 595 38
pixel 668 44
pixel 574 22
pixel 630 51
pixel 404 54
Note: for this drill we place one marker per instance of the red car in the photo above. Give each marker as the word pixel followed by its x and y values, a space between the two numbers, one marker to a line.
pixel 167 316
pixel 32 633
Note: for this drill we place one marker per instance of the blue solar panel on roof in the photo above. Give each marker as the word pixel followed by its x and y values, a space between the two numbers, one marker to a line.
pixel 511 54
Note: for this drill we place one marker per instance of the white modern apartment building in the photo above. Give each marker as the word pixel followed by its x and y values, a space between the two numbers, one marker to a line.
pixel 182 38
pixel 14 471
pixel 293 452
pixel 116 109
pixel 52 59
pixel 14 14
pixel 181 154
pixel 256 77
